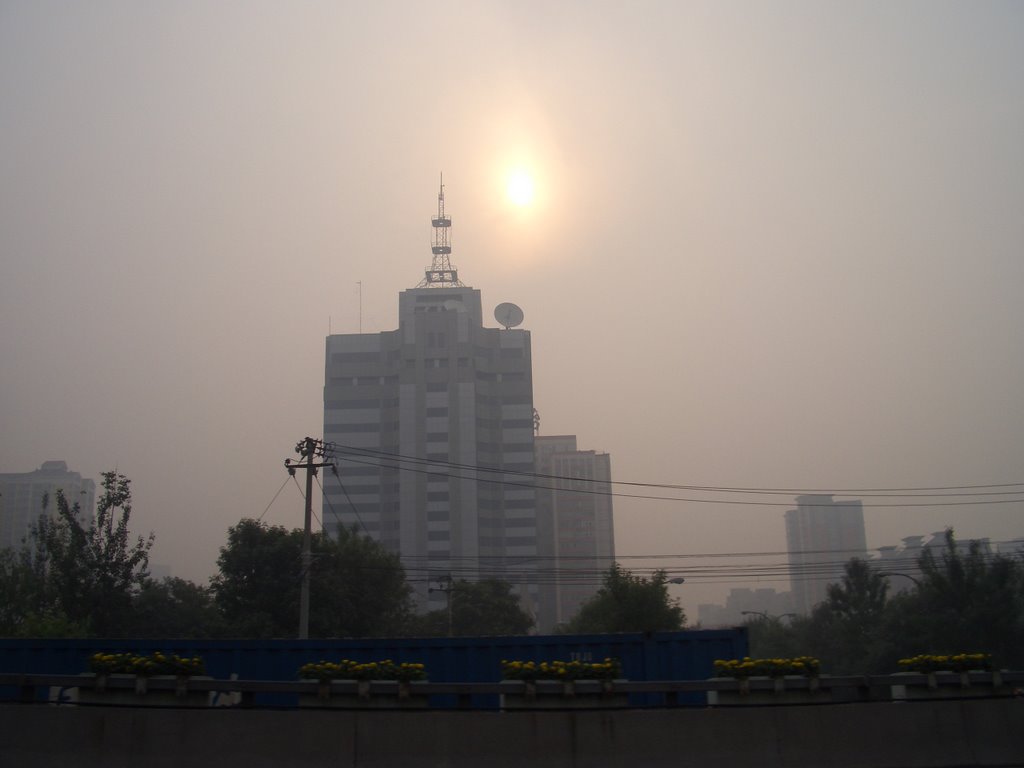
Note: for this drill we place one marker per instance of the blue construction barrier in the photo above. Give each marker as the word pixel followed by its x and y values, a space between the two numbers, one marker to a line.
pixel 687 655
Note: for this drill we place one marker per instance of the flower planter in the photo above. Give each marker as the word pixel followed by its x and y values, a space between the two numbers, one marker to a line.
pixel 366 694
pixel 760 691
pixel 906 686
pixel 558 694
pixel 138 691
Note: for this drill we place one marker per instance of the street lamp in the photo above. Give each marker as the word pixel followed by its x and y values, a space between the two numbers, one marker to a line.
pixel 917 582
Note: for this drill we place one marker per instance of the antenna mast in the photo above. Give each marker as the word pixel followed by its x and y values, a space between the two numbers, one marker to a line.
pixel 441 273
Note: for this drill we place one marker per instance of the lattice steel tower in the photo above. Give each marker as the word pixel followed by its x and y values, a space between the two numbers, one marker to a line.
pixel 441 273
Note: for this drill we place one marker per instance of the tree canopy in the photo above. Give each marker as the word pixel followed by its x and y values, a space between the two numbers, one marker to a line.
pixel 629 603
pixel 176 608
pixel 83 575
pixel 485 607
pixel 966 600
pixel 357 589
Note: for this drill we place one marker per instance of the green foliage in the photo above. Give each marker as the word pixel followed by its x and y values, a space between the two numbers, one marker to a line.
pixel 629 603
pixel 850 626
pixel 83 575
pixel 772 637
pixel 485 607
pixel 175 608
pixel 967 601
pixel 358 589
pixel 964 601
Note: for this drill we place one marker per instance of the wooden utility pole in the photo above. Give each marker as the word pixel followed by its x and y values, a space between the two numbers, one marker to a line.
pixel 449 591
pixel 310 449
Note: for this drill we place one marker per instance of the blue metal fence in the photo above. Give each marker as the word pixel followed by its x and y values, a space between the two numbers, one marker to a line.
pixel 687 655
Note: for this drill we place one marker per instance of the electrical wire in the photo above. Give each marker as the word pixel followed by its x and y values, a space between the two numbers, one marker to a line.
pixel 593 492
pixel 301 492
pixel 327 498
pixel 273 500
pixel 912 492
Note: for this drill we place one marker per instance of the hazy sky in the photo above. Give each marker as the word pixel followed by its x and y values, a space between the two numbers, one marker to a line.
pixel 773 244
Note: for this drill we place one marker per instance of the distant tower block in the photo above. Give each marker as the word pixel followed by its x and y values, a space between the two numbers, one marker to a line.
pixel 441 273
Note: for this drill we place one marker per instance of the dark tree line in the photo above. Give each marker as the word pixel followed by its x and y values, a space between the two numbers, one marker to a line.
pixel 76 577
pixel 963 602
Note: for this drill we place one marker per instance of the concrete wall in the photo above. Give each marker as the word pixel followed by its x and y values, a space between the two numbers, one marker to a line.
pixel 902 735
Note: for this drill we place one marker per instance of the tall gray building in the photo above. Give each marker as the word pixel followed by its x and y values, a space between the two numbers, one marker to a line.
pixel 22 494
pixel 433 426
pixel 574 498
pixel 821 535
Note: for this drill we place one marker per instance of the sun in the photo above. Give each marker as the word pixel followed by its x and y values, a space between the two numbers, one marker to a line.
pixel 520 188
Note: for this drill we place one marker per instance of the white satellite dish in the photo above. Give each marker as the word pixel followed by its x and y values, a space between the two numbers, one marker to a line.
pixel 508 314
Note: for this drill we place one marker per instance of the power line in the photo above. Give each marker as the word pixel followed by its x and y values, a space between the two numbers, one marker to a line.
pixel 882 492
pixel 588 491
pixel 355 510
pixel 274 499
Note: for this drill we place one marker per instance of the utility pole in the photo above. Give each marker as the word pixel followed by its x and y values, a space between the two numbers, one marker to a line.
pixel 449 591
pixel 310 449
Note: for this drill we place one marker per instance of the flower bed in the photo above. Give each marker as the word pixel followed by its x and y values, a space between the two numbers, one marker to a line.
pixel 808 666
pixel 768 681
pixel 156 663
pixel 948 676
pixel 609 669
pixel 353 684
pixel 959 662
pixel 561 684
pixel 123 679
pixel 354 670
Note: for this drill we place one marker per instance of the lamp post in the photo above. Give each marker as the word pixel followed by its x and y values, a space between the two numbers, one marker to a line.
pixel 917 581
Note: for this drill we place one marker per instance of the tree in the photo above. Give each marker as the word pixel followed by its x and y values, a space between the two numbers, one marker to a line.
pixel 485 607
pixel 772 638
pixel 23 610
pixel 848 631
pixel 629 603
pixel 968 601
pixel 88 573
pixel 357 588
pixel 173 608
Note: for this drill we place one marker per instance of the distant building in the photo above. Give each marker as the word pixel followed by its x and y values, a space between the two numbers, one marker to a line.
pixel 821 536
pixel 574 500
pixel 434 427
pixel 22 495
pixel 743 605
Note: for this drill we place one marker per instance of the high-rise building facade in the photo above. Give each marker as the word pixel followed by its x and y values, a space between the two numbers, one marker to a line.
pixel 821 535
pixel 574 500
pixel 22 495
pixel 433 427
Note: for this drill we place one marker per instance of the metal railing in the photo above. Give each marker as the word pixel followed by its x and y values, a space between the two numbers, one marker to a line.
pixel 826 689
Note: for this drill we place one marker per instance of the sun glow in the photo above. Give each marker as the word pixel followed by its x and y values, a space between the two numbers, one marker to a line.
pixel 520 188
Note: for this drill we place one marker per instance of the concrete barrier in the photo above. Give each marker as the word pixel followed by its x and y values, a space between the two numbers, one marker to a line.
pixel 936 734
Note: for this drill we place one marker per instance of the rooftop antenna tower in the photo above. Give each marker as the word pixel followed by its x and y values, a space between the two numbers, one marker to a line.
pixel 441 273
